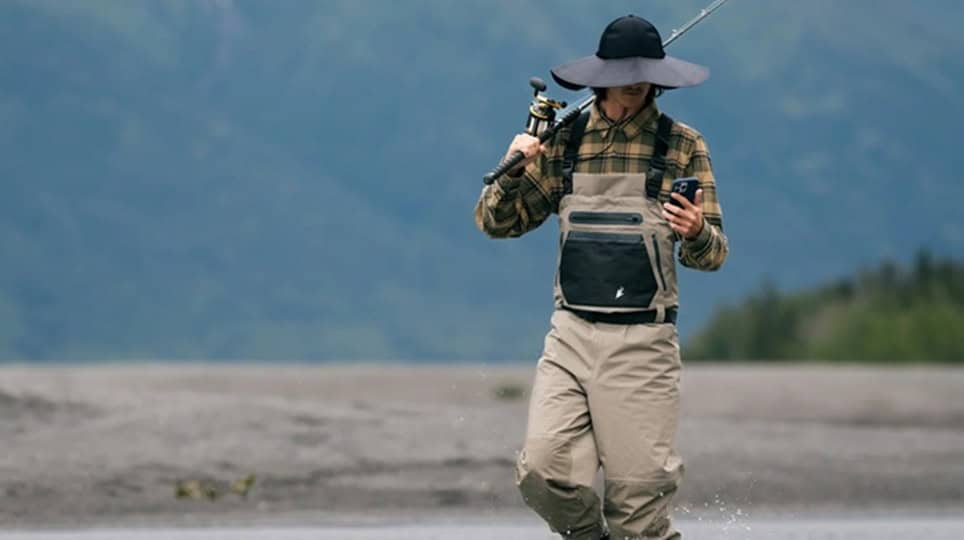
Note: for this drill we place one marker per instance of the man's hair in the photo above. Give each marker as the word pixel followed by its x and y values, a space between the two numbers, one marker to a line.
pixel 654 92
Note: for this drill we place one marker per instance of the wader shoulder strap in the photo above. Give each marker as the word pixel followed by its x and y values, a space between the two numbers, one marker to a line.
pixel 571 154
pixel 657 164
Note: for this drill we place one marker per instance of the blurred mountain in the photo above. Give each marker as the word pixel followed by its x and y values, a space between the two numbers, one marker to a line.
pixel 295 180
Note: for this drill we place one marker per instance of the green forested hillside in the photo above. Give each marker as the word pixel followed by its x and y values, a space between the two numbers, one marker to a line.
pixel 294 180
pixel 886 314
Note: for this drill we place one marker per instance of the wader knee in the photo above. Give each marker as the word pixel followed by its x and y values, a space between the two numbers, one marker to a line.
pixel 639 507
pixel 544 477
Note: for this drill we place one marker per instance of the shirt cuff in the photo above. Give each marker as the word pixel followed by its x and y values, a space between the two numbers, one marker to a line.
pixel 508 184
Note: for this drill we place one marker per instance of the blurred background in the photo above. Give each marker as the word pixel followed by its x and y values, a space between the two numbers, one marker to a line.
pixel 243 180
pixel 295 180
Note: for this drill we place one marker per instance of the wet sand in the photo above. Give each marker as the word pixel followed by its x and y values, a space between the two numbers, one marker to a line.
pixel 105 445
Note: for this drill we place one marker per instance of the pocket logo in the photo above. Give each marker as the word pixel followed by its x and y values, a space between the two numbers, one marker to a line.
pixel 620 292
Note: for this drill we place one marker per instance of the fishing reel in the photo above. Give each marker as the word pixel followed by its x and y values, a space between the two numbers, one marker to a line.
pixel 542 110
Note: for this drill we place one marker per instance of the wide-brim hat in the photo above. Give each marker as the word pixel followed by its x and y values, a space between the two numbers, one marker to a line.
pixel 630 51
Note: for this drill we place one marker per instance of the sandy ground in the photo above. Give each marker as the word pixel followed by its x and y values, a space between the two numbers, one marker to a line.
pixel 346 445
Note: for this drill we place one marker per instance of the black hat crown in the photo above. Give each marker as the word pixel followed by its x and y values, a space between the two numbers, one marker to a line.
pixel 630 36
pixel 630 51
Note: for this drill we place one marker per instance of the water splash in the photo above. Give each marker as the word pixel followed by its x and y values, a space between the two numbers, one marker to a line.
pixel 732 523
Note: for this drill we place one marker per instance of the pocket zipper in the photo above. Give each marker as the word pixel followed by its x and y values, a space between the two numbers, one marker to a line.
pixel 659 263
pixel 606 218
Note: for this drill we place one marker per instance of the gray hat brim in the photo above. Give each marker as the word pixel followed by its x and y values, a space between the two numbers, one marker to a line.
pixel 595 72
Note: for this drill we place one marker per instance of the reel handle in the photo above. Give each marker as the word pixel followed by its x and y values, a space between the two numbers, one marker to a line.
pixel 537 84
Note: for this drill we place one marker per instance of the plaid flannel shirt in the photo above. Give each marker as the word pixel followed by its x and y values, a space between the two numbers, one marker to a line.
pixel 513 206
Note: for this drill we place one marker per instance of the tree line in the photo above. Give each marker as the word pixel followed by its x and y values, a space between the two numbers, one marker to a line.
pixel 891 313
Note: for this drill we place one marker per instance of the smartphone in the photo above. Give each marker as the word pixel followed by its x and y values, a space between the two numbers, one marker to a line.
pixel 686 187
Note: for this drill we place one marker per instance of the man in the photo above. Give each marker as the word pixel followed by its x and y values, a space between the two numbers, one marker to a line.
pixel 606 390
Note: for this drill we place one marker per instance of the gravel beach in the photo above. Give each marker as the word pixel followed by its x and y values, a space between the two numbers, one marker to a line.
pixel 345 445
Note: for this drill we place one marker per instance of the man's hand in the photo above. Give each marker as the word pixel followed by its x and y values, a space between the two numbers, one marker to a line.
pixel 688 220
pixel 529 146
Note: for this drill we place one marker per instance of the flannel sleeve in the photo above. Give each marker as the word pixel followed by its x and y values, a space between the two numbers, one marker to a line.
pixel 709 249
pixel 513 206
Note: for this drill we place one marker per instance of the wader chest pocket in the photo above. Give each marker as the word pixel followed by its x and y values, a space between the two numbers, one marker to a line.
pixel 606 270
pixel 606 218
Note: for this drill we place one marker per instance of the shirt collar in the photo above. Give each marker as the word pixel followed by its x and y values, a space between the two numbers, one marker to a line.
pixel 645 118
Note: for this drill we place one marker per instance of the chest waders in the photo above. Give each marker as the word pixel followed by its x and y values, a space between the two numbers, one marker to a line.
pixel 616 250
pixel 606 390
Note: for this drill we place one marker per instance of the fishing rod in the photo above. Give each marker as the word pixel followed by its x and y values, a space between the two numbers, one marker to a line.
pixel 542 111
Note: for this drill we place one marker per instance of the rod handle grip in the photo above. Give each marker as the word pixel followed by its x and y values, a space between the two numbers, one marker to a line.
pixel 504 167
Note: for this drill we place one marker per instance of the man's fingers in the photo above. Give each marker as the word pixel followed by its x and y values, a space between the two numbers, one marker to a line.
pixel 527 144
pixel 684 220
pixel 683 200
pixel 675 214
pixel 675 220
pixel 673 209
pixel 533 149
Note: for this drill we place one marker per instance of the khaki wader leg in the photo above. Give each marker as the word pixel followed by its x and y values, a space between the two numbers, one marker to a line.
pixel 604 394
pixel 558 463
pixel 634 401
